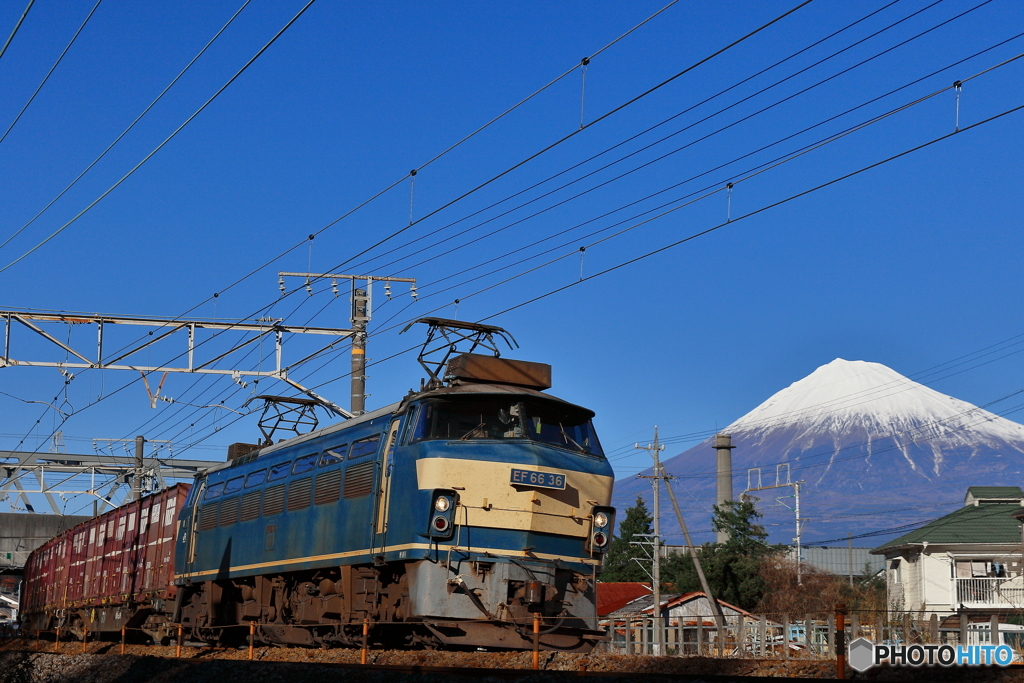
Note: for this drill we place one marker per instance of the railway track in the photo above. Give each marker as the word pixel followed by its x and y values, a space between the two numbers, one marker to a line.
pixel 102 663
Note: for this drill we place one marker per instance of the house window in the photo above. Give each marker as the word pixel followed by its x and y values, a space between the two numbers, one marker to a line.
pixel 977 569
pixel 894 571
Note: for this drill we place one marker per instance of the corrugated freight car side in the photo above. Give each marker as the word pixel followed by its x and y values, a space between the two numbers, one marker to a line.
pixel 112 571
pixel 160 543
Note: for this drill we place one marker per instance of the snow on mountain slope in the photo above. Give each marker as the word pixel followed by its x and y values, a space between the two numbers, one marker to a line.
pixel 866 440
pixel 858 395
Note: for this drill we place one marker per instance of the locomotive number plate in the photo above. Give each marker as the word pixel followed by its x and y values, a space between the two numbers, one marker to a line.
pixel 544 480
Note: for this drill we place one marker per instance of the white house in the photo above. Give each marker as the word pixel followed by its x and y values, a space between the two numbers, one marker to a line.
pixel 969 560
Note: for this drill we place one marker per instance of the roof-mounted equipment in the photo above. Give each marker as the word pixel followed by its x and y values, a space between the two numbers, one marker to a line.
pixel 286 414
pixel 444 337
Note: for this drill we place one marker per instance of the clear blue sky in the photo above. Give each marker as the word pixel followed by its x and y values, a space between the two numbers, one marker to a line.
pixel 910 264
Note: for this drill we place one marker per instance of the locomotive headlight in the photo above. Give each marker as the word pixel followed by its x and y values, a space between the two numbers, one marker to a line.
pixel 600 540
pixel 601 520
pixel 442 504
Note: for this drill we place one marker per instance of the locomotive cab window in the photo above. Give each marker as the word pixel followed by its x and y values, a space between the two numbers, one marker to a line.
pixel 496 417
pixel 332 456
pixel 279 471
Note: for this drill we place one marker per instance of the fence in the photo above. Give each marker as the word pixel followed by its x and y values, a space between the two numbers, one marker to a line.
pixel 810 636
pixel 990 592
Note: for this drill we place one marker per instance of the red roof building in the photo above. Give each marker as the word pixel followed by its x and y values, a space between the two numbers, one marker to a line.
pixel 615 596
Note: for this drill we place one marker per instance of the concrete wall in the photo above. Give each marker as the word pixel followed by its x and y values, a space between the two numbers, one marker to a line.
pixel 21 533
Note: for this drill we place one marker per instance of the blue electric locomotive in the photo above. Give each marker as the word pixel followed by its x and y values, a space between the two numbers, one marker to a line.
pixel 447 519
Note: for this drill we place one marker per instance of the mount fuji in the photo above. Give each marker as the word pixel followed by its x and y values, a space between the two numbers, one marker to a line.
pixel 874 449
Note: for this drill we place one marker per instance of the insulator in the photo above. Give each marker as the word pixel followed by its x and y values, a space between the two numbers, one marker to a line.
pixel 309 287
pixel 387 289
pixel 412 290
pixel 280 284
pixel 334 287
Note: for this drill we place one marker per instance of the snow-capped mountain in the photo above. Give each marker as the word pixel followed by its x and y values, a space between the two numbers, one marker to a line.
pixel 876 450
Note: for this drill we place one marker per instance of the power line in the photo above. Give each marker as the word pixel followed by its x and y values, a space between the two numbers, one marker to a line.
pixel 719 130
pixel 658 125
pixel 16 27
pixel 333 380
pixel 755 212
pixel 709 190
pixel 606 115
pixel 167 139
pixel 126 130
pixel 571 135
pixel 450 148
pixel 48 73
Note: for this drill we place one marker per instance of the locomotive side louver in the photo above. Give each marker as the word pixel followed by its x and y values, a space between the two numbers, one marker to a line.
pixel 359 479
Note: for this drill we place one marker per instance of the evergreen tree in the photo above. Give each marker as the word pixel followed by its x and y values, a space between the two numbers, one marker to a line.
pixel 618 561
pixel 733 568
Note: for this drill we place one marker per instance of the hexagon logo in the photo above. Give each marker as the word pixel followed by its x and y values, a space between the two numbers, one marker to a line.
pixel 862 654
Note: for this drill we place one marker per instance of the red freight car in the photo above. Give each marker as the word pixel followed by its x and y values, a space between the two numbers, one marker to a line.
pixel 114 570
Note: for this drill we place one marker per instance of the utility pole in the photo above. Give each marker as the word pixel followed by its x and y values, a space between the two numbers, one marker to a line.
pixel 140 445
pixel 849 555
pixel 659 474
pixel 359 315
pixel 659 632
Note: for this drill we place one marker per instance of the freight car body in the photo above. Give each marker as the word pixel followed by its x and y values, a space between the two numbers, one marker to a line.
pixel 448 519
pixel 112 571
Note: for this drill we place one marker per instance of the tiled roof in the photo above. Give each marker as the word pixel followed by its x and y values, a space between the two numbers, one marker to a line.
pixel 616 595
pixel 981 523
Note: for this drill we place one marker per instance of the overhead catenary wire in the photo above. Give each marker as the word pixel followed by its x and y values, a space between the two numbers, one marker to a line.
pixel 375 196
pixel 14 31
pixel 508 170
pixel 129 128
pixel 742 217
pixel 606 115
pixel 698 175
pixel 708 190
pixel 756 212
pixel 673 117
pixel 50 72
pixel 571 135
pixel 166 140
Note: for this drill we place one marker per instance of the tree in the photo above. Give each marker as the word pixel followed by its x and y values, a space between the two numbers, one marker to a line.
pixel 733 568
pixel 619 564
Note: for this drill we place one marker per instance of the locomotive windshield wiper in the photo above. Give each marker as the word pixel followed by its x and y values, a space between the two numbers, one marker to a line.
pixel 478 428
pixel 569 439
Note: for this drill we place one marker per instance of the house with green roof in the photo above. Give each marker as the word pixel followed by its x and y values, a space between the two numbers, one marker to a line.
pixel 969 560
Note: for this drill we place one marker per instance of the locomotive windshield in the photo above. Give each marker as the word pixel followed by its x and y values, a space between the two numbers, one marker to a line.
pixel 499 417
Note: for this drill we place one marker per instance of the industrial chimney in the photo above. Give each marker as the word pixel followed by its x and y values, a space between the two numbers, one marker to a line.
pixel 723 446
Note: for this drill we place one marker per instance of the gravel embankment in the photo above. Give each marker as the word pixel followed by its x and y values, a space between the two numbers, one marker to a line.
pixel 151 664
